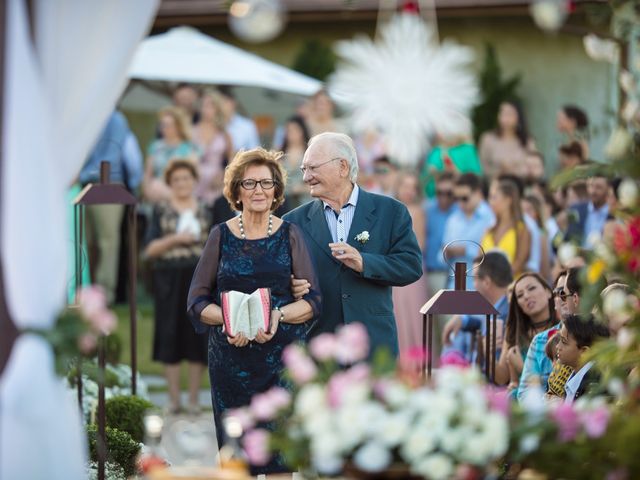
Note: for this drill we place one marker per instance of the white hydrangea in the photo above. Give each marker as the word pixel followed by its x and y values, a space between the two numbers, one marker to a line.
pixel 436 467
pixel 394 428
pixel 312 398
pixel 417 444
pixel 372 457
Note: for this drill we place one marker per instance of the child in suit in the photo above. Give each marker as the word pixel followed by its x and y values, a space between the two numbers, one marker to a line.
pixel 576 337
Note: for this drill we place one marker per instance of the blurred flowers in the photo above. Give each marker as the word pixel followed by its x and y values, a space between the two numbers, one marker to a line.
pixel 79 328
pixel 348 414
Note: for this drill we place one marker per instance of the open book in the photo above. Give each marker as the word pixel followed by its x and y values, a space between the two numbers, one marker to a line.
pixel 246 312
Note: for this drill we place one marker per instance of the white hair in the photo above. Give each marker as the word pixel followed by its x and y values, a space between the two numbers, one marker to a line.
pixel 338 145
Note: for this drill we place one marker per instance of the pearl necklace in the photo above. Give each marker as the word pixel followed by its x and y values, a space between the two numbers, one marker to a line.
pixel 241 225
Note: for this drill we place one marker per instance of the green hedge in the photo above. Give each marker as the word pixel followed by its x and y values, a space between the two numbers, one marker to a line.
pixel 121 448
pixel 126 413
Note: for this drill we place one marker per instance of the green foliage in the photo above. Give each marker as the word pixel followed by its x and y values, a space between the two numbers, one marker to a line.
pixel 121 448
pixel 126 413
pixel 315 59
pixel 113 348
pixel 494 90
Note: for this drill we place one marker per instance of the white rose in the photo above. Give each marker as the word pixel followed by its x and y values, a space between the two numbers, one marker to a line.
pixel 326 445
pixel 628 193
pixel 476 449
pixel 614 303
pixel 311 398
pixel 433 422
pixel 625 338
pixel 529 443
pixel 593 239
pixel 350 426
pixel 396 394
pixel 417 444
pixel 372 457
pixel 356 394
pixel 327 464
pixel 567 252
pixel 603 251
pixel 435 467
pixel 453 438
pixel 496 431
pixel 394 428
pixel 318 423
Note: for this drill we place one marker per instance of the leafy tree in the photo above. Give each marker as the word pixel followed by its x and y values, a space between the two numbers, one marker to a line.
pixel 494 90
pixel 315 59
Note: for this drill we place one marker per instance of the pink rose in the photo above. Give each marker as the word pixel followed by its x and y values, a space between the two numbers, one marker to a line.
pixel 499 400
pixel 323 346
pixel 104 322
pixel 566 418
pixel 279 397
pixel 340 382
pixel 595 421
pixel 256 446
pixel 352 343
pixel 262 408
pixel 92 300
pixel 301 368
pixel 453 359
pixel 87 343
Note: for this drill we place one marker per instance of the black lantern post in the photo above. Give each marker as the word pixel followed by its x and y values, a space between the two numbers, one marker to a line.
pixel 459 302
pixel 105 193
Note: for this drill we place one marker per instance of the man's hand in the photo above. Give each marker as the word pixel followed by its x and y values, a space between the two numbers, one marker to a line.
pixel 299 287
pixel 348 255
pixel 239 340
pixel 453 326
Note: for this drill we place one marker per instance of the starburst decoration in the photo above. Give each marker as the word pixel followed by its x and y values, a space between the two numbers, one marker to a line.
pixel 406 85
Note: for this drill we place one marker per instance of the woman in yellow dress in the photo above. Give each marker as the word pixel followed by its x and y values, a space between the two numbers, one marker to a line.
pixel 509 234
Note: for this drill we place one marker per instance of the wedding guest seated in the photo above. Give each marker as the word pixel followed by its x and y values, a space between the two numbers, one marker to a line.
pixel 531 311
pixel 566 301
pixel 560 373
pixel 491 278
pixel 576 338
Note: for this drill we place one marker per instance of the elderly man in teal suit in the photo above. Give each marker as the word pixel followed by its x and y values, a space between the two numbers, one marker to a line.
pixel 362 243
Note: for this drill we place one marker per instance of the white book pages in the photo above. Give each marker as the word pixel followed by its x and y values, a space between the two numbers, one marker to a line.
pixel 246 313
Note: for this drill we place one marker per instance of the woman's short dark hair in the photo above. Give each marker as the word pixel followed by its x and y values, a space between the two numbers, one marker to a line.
pixel 496 266
pixel 576 114
pixel 177 164
pixel 256 157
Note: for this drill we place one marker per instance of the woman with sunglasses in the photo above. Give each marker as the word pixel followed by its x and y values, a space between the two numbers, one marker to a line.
pixel 531 311
pixel 253 250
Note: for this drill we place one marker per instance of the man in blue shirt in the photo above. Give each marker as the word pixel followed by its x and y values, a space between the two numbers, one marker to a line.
pixel 469 222
pixel 118 146
pixel 588 218
pixel 438 211
pixel 492 279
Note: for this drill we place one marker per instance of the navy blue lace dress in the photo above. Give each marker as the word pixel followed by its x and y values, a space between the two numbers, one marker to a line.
pixel 231 263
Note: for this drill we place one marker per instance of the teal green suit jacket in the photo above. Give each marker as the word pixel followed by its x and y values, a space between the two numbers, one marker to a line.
pixel 391 257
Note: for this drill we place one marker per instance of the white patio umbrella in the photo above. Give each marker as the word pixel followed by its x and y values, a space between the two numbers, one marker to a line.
pixel 184 54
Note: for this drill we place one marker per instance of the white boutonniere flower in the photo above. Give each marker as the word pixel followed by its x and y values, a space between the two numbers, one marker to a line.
pixel 362 237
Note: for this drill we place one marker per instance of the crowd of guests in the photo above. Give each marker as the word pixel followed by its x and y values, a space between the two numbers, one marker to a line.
pixel 463 200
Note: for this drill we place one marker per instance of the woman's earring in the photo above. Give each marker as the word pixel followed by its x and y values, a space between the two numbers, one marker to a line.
pixel 237 202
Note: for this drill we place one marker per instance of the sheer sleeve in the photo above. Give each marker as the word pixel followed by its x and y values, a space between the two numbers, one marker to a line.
pixel 303 267
pixel 201 291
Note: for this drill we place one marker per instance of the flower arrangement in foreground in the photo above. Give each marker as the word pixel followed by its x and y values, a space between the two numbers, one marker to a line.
pixel 344 412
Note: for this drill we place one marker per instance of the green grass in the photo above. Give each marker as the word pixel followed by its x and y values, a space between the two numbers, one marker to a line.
pixel 146 365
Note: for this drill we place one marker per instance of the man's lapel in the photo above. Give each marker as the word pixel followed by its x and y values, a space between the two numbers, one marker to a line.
pixel 363 219
pixel 318 229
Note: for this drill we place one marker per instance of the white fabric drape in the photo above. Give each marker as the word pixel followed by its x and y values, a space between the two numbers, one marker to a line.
pixel 58 95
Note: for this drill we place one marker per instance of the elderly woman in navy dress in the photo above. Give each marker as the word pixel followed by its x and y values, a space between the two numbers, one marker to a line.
pixel 252 250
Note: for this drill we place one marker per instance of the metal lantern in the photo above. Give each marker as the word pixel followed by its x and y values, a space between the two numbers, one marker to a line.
pixel 459 302
pixel 105 193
